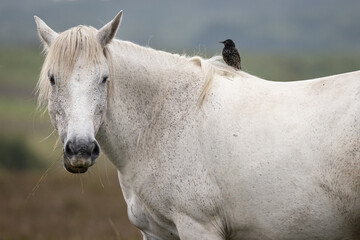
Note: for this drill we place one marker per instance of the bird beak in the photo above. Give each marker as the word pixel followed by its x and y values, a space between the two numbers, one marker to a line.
pixel 221 42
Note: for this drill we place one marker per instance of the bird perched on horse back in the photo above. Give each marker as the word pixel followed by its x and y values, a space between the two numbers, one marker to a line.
pixel 230 54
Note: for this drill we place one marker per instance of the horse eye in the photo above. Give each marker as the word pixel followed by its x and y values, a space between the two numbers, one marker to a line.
pixel 104 79
pixel 52 80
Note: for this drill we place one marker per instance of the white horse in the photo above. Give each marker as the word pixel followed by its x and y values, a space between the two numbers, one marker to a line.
pixel 203 151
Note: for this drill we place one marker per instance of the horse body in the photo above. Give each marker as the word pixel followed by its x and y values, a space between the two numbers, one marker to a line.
pixel 249 137
pixel 206 152
pixel 255 155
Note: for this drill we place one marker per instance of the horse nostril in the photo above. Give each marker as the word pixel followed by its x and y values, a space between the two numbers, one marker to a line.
pixel 69 151
pixel 82 149
pixel 95 150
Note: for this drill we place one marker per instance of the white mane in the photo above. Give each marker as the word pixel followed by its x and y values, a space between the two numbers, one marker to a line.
pixel 81 41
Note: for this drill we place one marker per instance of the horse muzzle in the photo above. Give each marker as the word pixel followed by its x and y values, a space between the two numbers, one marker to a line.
pixel 79 155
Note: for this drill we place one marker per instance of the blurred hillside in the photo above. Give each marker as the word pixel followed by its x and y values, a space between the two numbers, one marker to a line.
pixel 272 25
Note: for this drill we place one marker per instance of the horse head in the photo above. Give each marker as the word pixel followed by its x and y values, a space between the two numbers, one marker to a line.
pixel 73 84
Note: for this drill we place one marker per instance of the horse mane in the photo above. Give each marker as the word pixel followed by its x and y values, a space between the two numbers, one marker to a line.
pixel 61 56
pixel 211 67
pixel 81 41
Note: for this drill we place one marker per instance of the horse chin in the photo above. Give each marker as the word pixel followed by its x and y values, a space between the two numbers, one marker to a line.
pixel 72 169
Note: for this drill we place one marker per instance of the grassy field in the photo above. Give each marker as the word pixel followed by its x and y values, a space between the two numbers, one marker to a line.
pixel 39 200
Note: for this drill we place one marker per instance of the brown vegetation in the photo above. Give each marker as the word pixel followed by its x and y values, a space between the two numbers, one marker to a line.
pixel 58 205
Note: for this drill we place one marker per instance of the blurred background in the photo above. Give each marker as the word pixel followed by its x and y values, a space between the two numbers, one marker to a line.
pixel 278 39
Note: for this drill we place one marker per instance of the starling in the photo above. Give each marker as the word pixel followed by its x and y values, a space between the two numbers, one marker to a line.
pixel 230 54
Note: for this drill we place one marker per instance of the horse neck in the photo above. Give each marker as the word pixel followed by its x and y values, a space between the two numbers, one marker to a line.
pixel 150 91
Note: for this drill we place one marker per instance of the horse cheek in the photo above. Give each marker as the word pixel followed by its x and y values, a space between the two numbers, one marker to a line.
pixel 52 114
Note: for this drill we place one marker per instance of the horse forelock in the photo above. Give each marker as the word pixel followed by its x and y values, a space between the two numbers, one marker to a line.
pixel 69 46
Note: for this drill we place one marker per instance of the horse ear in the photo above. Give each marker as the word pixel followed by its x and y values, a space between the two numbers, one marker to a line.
pixel 47 35
pixel 108 32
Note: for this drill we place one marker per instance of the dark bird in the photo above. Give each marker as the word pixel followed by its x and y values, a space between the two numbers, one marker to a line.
pixel 230 54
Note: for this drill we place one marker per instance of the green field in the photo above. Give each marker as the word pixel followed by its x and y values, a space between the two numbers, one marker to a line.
pixel 39 200
pixel 289 67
